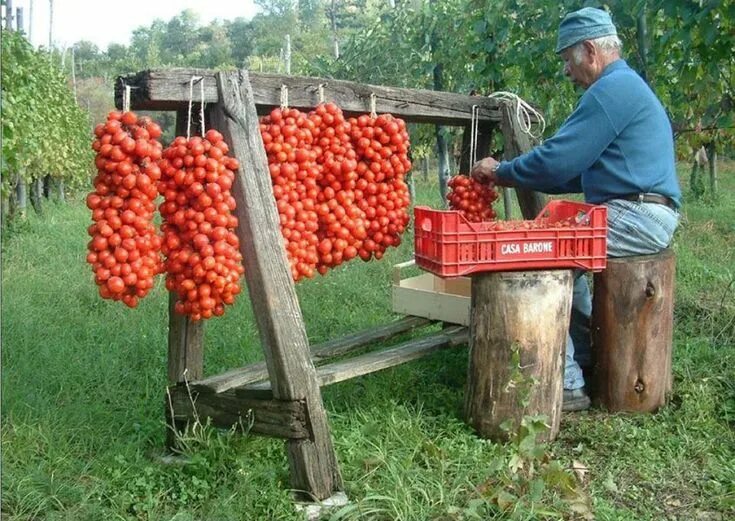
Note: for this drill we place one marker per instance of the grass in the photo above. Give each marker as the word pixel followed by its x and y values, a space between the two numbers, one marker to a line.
pixel 84 379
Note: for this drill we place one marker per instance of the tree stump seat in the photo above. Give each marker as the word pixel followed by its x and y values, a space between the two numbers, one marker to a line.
pixel 518 329
pixel 632 332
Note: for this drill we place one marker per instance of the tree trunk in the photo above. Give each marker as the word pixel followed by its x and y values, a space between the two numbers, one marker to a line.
pixel 642 37
pixel 62 196
pixel 21 199
pixel 632 331
pixel 425 169
pixel 36 195
pixel 518 329
pixel 47 186
pixel 695 181
pixel 712 155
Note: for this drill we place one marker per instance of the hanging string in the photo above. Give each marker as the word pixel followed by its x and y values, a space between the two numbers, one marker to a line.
pixel 474 131
pixel 201 106
pixel 191 101
pixel 284 97
pixel 321 92
pixel 126 98
pixel 524 113
pixel 373 103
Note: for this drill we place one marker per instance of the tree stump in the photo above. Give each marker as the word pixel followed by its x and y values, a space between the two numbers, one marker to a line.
pixel 518 328
pixel 632 332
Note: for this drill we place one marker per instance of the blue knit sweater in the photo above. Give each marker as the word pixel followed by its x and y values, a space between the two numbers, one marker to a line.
pixel 618 141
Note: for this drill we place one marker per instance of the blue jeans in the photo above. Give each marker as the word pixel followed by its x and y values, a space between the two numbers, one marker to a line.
pixel 633 228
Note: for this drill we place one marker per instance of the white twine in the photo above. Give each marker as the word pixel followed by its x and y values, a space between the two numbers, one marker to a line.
pixel 201 107
pixel 523 112
pixel 321 92
pixel 191 101
pixel 474 127
pixel 126 98
pixel 284 97
pixel 373 103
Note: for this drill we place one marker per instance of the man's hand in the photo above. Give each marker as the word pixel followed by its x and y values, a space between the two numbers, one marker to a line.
pixel 484 171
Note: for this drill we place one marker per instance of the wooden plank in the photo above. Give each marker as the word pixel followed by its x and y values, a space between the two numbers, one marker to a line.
pixel 312 461
pixel 185 337
pixel 269 417
pixel 377 361
pixel 319 353
pixel 168 89
pixel 518 142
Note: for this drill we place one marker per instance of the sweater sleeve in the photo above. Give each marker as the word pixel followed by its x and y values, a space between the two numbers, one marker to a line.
pixel 557 165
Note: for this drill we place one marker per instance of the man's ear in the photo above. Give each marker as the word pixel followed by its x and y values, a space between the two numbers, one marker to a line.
pixel 591 50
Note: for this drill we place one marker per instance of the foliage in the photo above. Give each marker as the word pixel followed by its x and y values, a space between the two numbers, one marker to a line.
pixel 43 129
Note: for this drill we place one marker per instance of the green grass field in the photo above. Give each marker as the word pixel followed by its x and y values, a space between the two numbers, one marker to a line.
pixel 84 379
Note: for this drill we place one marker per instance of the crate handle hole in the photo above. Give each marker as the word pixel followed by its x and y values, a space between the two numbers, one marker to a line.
pixel 426 225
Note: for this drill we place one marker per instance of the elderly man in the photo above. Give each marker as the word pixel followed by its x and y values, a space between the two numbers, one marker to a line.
pixel 616 148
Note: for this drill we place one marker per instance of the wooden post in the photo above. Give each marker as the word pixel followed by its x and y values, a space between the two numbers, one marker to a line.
pixel 313 463
pixel 518 329
pixel 185 337
pixel 518 142
pixel 632 331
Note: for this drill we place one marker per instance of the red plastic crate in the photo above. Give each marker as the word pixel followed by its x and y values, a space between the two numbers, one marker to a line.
pixel 448 245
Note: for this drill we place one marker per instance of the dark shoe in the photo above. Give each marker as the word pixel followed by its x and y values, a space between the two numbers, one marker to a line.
pixel 575 400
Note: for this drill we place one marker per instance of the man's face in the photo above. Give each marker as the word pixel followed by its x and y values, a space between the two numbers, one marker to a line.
pixel 581 73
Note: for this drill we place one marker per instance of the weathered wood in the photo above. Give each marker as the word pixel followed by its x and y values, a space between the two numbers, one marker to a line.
pixel 632 331
pixel 185 337
pixel 319 353
pixel 517 143
pixel 168 89
pixel 377 361
pixel 518 329
pixel 270 417
pixel 313 462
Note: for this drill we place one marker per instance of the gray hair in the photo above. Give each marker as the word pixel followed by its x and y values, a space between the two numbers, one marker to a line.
pixel 607 44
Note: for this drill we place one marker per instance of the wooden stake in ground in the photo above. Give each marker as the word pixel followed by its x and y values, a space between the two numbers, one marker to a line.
pixel 518 329
pixel 313 462
pixel 632 331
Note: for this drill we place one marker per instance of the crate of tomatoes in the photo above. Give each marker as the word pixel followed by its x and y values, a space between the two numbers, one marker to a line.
pixel 566 234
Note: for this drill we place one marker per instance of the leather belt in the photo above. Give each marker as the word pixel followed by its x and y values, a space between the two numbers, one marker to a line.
pixel 649 198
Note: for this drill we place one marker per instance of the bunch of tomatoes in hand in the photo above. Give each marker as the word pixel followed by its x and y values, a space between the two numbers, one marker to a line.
pixel 124 250
pixel 471 198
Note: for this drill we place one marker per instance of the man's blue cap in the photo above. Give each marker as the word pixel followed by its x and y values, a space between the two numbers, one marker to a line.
pixel 586 24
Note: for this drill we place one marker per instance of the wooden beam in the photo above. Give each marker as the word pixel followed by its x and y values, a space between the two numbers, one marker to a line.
pixel 376 361
pixel 319 353
pixel 269 417
pixel 312 461
pixel 168 89
pixel 518 142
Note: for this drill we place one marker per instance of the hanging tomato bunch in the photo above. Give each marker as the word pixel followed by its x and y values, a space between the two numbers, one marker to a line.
pixel 338 184
pixel 203 260
pixel 125 249
pixel 471 198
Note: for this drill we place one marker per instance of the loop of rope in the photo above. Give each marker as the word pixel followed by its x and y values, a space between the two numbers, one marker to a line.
pixel 523 112
pixel 284 97
pixel 373 103
pixel 321 92
pixel 191 101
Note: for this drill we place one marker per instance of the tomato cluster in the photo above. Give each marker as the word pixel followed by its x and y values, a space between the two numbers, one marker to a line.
pixel 471 198
pixel 203 260
pixel 338 184
pixel 125 249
